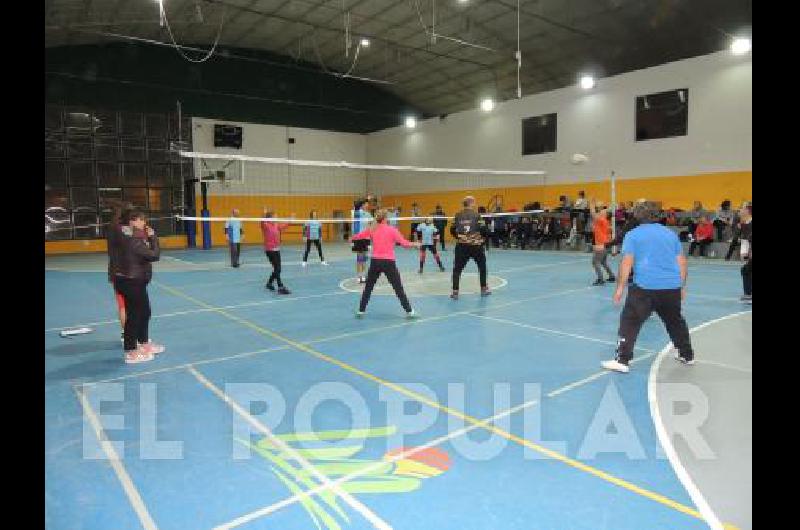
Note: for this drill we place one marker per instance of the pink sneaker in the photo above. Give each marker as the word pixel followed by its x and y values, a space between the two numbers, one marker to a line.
pixel 138 355
pixel 152 348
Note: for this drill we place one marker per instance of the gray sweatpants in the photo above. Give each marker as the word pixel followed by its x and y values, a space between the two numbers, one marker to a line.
pixel 599 258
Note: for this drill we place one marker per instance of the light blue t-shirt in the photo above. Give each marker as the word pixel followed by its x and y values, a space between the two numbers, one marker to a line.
pixel 655 249
pixel 362 219
pixel 427 232
pixel 233 227
pixel 314 228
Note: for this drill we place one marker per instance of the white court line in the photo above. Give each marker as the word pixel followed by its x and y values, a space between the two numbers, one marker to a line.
pixel 548 330
pixel 239 521
pixel 116 463
pixel 664 439
pixel 723 365
pixel 186 365
pixel 354 503
pixel 347 335
pixel 207 310
pixel 433 443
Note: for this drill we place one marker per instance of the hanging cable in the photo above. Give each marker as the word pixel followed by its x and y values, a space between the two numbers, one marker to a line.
pixel 519 56
pixel 165 22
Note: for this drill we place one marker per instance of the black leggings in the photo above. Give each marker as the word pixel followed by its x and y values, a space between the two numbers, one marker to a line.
pixel 702 244
pixel 747 277
pixel 137 310
pixel 389 268
pixel 274 257
pixel 308 249
pixel 639 304
pixel 463 254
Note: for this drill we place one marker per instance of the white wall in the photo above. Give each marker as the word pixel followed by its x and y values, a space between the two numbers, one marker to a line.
pixel 272 141
pixel 599 123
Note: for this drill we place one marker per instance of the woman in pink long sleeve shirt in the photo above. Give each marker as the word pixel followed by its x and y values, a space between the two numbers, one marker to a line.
pixel 272 248
pixel 383 238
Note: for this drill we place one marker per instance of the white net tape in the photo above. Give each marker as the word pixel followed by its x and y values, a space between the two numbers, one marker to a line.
pixel 352 165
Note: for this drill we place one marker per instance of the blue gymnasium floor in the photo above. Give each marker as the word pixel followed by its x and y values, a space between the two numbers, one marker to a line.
pixel 249 372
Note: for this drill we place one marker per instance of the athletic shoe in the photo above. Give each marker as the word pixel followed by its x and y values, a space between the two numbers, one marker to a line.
pixel 612 278
pixel 454 295
pixel 360 314
pixel 137 356
pixel 304 264
pixel 152 348
pixel 598 282
pixel 485 291
pixel 747 299
pixel 122 337
pixel 362 280
pixel 270 287
pixel 325 263
pixel 412 314
pixel 284 290
pixel 442 269
pixel 616 366
pixel 684 360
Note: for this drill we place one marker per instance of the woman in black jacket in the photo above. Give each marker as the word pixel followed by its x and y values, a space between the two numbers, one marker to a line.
pixel 138 248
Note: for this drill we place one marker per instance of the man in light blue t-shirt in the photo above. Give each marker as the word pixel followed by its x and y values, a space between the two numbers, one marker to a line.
pixel 659 284
pixel 234 234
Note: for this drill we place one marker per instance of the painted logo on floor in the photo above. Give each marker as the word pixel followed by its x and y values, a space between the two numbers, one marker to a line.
pixel 400 470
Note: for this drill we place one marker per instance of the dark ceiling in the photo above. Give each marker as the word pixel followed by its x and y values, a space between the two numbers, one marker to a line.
pixel 439 64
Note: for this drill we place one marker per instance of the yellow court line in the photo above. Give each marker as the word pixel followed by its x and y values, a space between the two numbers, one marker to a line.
pixel 453 412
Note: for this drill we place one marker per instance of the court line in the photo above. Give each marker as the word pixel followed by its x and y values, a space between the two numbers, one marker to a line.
pixel 322 339
pixel 186 365
pixel 657 497
pixel 116 463
pixel 405 454
pixel 192 311
pixel 553 331
pixel 433 443
pixel 354 503
pixel 697 497
pixel 239 521
pixel 723 365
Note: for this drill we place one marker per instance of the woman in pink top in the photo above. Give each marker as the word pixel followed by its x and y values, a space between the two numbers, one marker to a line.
pixel 272 247
pixel 383 238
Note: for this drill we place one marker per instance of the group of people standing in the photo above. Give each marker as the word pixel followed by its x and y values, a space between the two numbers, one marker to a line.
pixel 652 254
pixel 132 248
pixel 271 232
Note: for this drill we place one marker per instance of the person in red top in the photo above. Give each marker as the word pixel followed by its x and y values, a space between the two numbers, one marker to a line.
pixel 601 223
pixel 703 236
pixel 272 248
pixel 384 237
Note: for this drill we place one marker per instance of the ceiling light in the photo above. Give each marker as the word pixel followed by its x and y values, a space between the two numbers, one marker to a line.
pixel 487 105
pixel 365 43
pixel 740 46
pixel 587 82
pixel 411 122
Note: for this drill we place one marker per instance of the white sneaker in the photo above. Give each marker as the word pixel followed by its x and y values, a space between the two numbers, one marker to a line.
pixel 325 263
pixel 360 314
pixel 684 361
pixel 616 366
pixel 412 314
pixel 304 264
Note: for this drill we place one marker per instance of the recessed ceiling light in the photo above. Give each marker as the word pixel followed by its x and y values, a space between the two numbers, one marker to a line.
pixel 411 122
pixel 587 82
pixel 487 105
pixel 365 42
pixel 741 45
